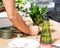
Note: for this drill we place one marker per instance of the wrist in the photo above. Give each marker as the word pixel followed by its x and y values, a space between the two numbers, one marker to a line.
pixel 33 30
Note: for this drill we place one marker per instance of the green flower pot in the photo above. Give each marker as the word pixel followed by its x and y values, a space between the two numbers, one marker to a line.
pixel 6 33
pixel 46 34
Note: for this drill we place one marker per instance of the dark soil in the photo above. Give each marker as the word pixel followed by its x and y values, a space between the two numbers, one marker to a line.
pixel 2 9
pixel 14 31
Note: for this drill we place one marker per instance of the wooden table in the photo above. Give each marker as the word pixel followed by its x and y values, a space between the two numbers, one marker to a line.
pixel 55 35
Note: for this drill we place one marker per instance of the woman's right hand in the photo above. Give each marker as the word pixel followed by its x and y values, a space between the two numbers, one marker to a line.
pixel 34 30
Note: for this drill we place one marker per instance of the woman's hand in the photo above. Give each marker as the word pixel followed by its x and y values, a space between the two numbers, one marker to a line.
pixel 34 29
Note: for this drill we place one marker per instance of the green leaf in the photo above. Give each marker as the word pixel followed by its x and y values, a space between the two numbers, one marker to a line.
pixel 1 3
pixel 43 10
pixel 37 13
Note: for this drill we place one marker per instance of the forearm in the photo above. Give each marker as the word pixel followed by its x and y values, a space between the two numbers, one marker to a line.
pixel 19 23
pixel 14 16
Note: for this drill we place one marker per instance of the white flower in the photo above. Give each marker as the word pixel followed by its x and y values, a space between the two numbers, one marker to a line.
pixel 23 4
pixel 27 6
